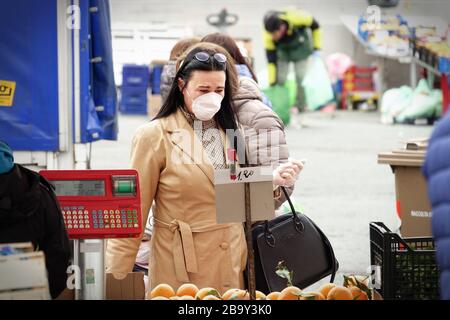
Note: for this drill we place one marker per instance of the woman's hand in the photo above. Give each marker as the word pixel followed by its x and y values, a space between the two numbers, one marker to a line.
pixel 287 173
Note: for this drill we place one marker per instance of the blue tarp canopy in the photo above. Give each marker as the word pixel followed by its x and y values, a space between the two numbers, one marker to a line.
pixel 28 58
pixel 29 63
pixel 98 91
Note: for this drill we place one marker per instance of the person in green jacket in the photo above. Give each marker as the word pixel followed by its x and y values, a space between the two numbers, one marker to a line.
pixel 290 36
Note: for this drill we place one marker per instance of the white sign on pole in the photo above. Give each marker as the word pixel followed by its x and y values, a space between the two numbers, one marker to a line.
pixel 230 194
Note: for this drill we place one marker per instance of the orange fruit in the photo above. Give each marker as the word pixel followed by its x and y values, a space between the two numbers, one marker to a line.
pixel 290 293
pixel 203 292
pixel 325 289
pixel 312 296
pixel 260 295
pixel 273 295
pixel 211 297
pixel 358 294
pixel 227 295
pixel 340 293
pixel 162 290
pixel 236 294
pixel 241 295
pixel 187 298
pixel 187 289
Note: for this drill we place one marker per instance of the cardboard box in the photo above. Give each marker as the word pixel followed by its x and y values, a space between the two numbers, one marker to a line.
pixel 153 105
pixel 413 205
pixel 131 287
pixel 23 273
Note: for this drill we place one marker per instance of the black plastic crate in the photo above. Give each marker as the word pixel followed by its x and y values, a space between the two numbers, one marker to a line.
pixel 407 265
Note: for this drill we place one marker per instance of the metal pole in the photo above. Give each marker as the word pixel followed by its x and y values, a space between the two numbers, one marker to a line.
pixel 65 154
pixel 413 73
pixel 250 254
pixel 92 262
pixel 76 262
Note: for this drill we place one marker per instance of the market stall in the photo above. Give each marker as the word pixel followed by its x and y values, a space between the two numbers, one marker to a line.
pixel 415 41
pixel 63 96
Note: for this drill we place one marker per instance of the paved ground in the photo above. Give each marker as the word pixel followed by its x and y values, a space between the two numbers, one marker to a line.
pixel 342 188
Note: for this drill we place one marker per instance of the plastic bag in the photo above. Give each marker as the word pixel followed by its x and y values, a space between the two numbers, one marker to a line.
pixel 425 103
pixel 337 64
pixel 291 84
pixel 317 84
pixel 279 96
pixel 394 102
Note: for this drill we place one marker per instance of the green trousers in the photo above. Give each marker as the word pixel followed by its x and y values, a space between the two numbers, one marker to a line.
pixel 300 71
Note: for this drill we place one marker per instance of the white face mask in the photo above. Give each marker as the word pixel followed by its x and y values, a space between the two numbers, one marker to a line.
pixel 206 106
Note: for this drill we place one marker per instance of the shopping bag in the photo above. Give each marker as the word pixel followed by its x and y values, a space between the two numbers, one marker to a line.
pixel 279 96
pixel 393 102
pixel 317 84
pixel 425 103
pixel 296 241
pixel 291 84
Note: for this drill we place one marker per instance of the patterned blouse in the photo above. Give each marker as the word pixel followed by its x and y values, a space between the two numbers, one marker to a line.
pixel 210 137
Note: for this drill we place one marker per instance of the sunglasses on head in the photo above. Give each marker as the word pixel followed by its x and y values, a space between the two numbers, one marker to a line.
pixel 205 57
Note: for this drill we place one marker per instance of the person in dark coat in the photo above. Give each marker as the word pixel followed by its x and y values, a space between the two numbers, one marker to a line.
pixel 169 70
pixel 437 173
pixel 30 212
pixel 242 63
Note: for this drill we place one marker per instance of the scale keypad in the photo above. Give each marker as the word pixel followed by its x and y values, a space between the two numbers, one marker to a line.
pixel 81 218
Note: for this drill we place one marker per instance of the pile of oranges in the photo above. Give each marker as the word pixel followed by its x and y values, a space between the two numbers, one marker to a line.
pixel 353 289
pixel 189 291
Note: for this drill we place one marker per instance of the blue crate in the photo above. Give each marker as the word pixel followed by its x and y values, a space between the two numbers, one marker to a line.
pixel 133 91
pixel 134 100
pixel 135 75
pixel 130 110
pixel 133 107
pixel 156 79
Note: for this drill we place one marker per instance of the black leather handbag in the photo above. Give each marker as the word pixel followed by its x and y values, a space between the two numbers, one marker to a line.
pixel 294 239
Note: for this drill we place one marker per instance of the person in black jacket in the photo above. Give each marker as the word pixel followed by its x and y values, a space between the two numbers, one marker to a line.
pixel 30 212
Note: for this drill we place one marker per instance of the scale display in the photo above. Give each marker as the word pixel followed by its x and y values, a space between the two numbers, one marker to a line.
pixel 98 204
pixel 79 187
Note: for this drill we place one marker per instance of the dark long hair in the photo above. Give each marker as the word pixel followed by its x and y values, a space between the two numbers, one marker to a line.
pixel 225 117
pixel 230 45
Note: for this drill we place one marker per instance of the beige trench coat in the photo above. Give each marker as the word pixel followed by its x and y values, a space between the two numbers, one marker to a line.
pixel 187 244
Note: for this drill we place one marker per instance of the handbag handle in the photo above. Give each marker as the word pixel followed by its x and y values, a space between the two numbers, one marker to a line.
pixel 334 265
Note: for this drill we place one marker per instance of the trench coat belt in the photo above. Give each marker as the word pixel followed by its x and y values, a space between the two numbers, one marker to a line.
pixel 183 249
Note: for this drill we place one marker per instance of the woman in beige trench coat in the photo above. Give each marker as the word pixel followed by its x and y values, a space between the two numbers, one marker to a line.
pixel 176 155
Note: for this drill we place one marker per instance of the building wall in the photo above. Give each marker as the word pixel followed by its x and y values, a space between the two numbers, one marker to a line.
pixel 192 15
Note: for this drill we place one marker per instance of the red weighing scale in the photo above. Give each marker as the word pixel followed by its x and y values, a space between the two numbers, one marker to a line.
pixel 98 204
